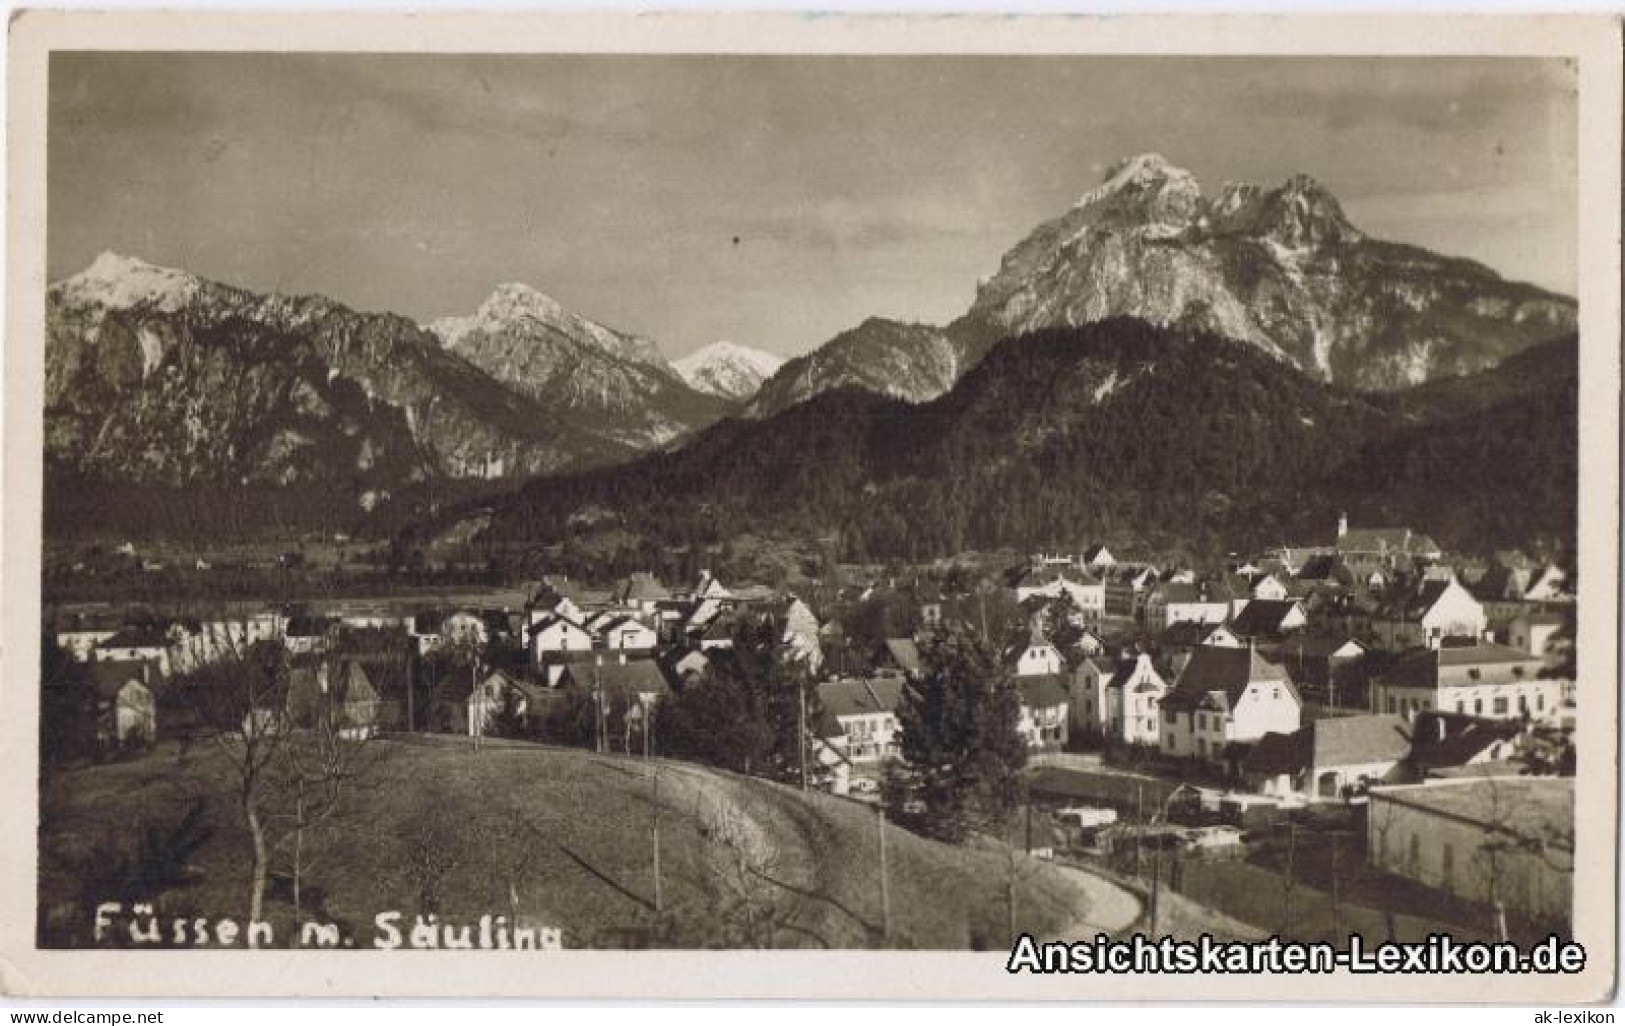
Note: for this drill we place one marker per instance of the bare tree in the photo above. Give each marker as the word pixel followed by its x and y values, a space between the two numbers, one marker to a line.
pixel 286 774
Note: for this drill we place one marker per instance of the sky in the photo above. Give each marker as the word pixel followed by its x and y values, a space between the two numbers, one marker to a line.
pixel 773 201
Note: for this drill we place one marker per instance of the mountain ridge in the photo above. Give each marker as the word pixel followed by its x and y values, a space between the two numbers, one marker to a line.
pixel 1282 268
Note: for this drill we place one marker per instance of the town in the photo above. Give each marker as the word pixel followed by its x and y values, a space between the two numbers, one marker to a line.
pixel 1363 732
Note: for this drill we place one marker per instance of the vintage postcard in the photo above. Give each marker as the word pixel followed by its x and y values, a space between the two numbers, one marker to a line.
pixel 846 507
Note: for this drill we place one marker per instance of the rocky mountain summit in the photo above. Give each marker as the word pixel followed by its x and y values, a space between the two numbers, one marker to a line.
pixel 728 369
pixel 614 384
pixel 157 376
pixel 1279 267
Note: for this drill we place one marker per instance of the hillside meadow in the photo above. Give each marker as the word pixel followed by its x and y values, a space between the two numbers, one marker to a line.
pixel 547 837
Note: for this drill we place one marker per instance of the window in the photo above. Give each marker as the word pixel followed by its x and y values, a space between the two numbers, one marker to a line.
pixel 1461 706
pixel 1540 703
pixel 1500 707
pixel 1478 706
pixel 1474 674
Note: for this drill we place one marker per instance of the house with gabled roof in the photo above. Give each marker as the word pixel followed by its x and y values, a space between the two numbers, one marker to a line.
pixel 1087 592
pixel 1365 549
pixel 1098 558
pixel 626 632
pixel 1175 601
pixel 903 654
pixel 858 731
pixel 800 636
pixel 1331 759
pixel 126 709
pixel 553 634
pixel 1133 701
pixel 1426 615
pixel 1036 656
pixel 1444 743
pixel 1225 697
pixel 1269 619
pixel 1044 711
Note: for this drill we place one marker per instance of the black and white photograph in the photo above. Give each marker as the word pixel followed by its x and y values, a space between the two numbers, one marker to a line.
pixel 892 502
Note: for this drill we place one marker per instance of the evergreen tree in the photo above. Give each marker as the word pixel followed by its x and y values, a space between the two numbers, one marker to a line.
pixel 960 744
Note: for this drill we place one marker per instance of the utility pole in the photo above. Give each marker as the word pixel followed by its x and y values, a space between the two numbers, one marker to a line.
pixel 1139 826
pixel 655 829
pixel 1156 886
pixel 411 686
pixel 1291 854
pixel 1337 916
pixel 801 727
pixel 885 894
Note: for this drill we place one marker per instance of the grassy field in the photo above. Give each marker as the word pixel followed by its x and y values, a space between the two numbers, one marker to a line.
pixel 557 837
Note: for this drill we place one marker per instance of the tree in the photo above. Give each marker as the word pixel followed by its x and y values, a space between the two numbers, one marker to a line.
pixel 962 752
pixel 283 779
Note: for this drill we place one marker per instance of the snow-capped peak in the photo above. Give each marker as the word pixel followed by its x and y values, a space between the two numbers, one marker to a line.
pixel 119 282
pixel 727 369
pixel 519 309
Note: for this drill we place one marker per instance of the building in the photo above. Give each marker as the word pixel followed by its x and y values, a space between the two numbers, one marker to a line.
pixel 1087 592
pixel 1369 549
pixel 126 712
pixel 1331 759
pixel 552 635
pixel 1476 680
pixel 627 633
pixel 1429 615
pixel 800 636
pixel 1181 602
pixel 1269 619
pixel 1224 697
pixel 1036 657
pixel 1044 711
pixel 1533 632
pixel 1505 841
pixel 1133 702
pixel 858 731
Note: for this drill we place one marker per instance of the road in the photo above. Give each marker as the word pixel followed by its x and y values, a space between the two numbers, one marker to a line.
pixel 1112 908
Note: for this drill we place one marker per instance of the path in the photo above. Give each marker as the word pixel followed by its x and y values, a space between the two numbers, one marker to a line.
pixel 1112 908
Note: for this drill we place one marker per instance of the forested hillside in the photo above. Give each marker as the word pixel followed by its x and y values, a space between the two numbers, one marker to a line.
pixel 1117 429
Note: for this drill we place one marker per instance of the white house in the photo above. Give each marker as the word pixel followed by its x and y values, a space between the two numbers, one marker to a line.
pixel 1223 696
pixel 858 731
pixel 1133 702
pixel 1184 602
pixel 1036 657
pixel 1533 632
pixel 1088 592
pixel 1429 614
pixel 800 636
pixel 1492 681
pixel 1044 705
pixel 1550 584
pixel 557 634
pixel 627 633
pixel 131 644
pixel 126 712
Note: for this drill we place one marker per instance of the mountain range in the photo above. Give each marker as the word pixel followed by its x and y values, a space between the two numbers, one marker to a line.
pixel 161 380
pixel 1281 268
pixel 1140 434
pixel 158 377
